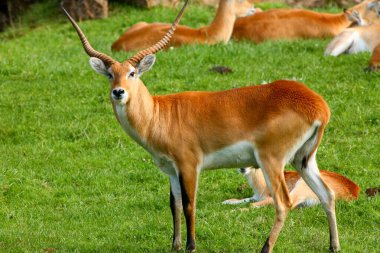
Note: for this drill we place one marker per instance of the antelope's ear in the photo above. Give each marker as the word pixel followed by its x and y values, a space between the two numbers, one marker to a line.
pixel 145 64
pixel 347 13
pixel 372 4
pixel 98 66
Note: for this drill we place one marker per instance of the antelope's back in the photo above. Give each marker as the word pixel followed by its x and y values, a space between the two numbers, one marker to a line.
pixel 343 187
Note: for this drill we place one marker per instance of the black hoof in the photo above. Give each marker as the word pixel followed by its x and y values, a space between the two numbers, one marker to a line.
pixel 332 250
pixel 265 249
pixel 190 247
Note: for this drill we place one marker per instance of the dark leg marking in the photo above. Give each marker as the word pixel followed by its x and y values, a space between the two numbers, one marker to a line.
pixel 304 162
pixel 190 243
pixel 312 138
pixel 331 249
pixel 265 249
pixel 172 208
pixel 242 170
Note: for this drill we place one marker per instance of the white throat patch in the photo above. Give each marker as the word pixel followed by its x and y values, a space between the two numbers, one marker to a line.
pixel 121 112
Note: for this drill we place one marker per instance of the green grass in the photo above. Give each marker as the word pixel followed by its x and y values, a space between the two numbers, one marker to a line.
pixel 71 180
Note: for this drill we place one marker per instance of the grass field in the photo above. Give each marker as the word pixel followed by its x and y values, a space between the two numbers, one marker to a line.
pixel 72 181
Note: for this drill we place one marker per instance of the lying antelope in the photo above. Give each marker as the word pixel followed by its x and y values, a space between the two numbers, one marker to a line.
pixel 142 34
pixel 280 24
pixel 354 40
pixel 266 125
pixel 374 63
pixel 300 193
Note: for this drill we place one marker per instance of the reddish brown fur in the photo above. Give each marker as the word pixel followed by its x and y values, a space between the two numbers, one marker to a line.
pixel 343 187
pixel 143 35
pixel 278 24
pixel 374 63
pixel 265 104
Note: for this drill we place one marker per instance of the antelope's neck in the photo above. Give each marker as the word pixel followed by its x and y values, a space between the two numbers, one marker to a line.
pixel 136 116
pixel 361 8
pixel 338 22
pixel 221 27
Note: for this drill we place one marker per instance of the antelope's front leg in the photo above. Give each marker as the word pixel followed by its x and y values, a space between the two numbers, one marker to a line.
pixel 176 208
pixel 273 170
pixel 188 179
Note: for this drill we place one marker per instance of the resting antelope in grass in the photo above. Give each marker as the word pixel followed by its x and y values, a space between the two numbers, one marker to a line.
pixel 354 40
pixel 265 125
pixel 281 24
pixel 300 193
pixel 143 35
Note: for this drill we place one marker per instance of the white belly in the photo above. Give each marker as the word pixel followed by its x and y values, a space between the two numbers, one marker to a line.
pixel 358 45
pixel 165 164
pixel 241 154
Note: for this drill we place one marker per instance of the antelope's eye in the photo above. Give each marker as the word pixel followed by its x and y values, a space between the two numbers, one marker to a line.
pixel 132 74
pixel 109 76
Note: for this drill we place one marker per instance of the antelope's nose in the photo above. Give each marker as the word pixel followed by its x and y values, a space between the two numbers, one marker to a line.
pixel 118 93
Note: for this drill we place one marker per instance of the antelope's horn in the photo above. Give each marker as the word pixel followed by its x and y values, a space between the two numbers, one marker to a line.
pixel 108 61
pixel 160 44
pixel 372 4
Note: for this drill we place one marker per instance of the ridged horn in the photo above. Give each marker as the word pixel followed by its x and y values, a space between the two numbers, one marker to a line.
pixel 375 3
pixel 108 61
pixel 134 60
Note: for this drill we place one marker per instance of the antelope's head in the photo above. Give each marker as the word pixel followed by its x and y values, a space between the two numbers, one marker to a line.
pixel 124 76
pixel 374 7
pixel 365 13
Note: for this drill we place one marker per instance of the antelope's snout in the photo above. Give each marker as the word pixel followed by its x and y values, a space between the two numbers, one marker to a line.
pixel 119 94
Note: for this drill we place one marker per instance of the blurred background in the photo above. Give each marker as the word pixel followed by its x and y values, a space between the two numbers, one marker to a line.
pixel 12 10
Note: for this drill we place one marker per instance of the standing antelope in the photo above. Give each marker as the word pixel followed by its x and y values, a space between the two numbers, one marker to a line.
pixel 280 24
pixel 300 193
pixel 143 35
pixel 354 40
pixel 374 63
pixel 267 126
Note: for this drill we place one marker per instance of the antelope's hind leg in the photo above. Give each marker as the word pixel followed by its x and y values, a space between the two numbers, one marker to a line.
pixel 312 177
pixel 262 203
pixel 176 209
pixel 237 201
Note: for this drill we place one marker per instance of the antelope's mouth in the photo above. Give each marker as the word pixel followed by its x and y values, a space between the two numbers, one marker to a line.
pixel 122 99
